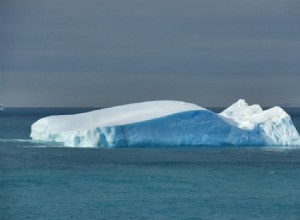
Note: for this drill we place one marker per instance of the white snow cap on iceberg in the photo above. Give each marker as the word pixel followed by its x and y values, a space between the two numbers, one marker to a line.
pixel 169 123
pixel 118 115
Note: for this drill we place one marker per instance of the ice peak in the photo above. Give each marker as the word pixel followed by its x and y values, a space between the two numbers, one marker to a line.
pixel 242 113
pixel 241 107
pixel 241 102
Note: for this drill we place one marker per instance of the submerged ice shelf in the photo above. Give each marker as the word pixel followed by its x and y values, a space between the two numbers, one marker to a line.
pixel 170 123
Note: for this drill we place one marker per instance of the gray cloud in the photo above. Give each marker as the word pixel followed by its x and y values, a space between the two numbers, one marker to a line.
pixel 102 53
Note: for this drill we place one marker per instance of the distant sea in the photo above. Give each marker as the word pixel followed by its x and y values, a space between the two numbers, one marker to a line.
pixel 49 181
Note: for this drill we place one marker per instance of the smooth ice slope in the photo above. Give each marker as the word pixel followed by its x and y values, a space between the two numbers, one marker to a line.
pixel 169 123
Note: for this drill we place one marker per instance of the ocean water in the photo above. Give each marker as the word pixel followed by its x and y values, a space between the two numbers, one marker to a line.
pixel 48 181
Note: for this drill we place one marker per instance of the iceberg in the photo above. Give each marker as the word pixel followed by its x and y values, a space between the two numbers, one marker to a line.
pixel 169 123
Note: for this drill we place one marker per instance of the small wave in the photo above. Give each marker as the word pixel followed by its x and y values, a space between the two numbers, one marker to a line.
pixel 281 148
pixel 28 143
pixel 19 140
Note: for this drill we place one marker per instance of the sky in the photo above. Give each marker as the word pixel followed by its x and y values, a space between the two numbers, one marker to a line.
pixel 83 53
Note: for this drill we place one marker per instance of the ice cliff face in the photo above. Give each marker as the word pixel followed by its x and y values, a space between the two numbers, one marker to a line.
pixel 169 123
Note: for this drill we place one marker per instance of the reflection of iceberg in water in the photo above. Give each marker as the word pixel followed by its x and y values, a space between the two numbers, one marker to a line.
pixel 2 107
pixel 169 123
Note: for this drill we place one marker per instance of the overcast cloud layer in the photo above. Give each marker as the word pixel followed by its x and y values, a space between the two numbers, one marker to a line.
pixel 104 53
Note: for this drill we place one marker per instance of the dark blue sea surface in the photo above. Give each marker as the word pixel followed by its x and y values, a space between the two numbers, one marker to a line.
pixel 49 181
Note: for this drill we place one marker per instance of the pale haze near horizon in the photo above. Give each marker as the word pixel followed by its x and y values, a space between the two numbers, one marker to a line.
pixel 72 53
